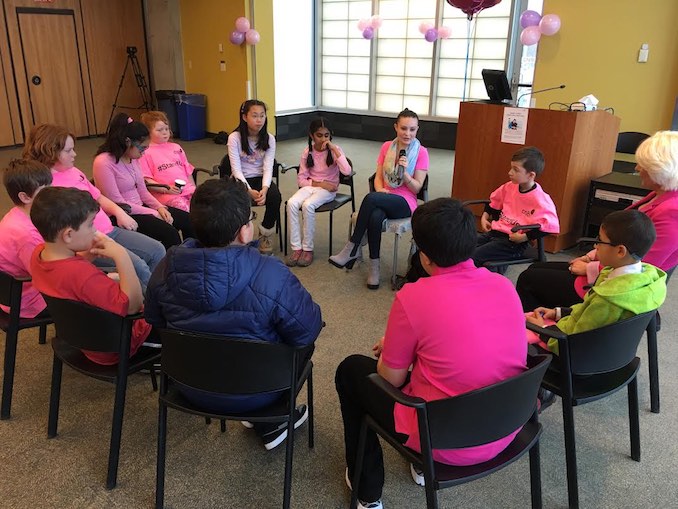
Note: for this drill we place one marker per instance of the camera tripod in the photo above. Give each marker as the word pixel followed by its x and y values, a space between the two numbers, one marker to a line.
pixel 146 103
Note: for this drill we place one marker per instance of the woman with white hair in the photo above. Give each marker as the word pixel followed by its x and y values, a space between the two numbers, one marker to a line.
pixel 553 284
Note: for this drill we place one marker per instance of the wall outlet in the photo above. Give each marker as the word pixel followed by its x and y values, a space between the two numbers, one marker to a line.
pixel 644 53
pixel 222 65
pixel 221 48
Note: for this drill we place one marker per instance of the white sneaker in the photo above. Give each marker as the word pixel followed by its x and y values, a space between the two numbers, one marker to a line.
pixel 247 424
pixel 361 504
pixel 417 475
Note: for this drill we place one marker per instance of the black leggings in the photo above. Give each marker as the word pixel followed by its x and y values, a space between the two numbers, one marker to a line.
pixel 373 210
pixel 163 232
pixel 548 284
pixel 273 201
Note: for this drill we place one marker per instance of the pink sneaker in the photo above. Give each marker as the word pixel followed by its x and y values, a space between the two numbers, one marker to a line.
pixel 293 259
pixel 305 259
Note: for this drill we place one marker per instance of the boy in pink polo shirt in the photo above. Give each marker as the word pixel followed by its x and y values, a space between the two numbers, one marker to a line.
pixel 439 325
pixel 23 179
pixel 520 201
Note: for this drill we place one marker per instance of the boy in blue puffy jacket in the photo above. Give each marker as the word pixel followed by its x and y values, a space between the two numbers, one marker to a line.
pixel 218 284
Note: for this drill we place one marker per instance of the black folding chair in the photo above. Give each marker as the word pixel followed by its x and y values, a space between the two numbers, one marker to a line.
pixel 627 143
pixel 533 253
pixel 224 171
pixel 11 323
pixel 82 327
pixel 471 419
pixel 590 366
pixel 340 200
pixel 225 365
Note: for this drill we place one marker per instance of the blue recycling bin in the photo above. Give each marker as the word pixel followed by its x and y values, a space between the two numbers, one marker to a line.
pixel 191 110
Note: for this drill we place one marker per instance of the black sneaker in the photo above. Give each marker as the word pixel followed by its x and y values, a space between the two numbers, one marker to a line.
pixel 278 434
pixel 546 399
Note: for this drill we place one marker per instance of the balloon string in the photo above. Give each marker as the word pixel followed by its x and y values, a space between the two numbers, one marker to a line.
pixel 468 52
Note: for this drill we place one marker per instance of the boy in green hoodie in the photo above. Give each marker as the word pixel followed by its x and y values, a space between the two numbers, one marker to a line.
pixel 625 287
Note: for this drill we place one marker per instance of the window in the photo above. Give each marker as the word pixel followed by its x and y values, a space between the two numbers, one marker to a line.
pixel 399 68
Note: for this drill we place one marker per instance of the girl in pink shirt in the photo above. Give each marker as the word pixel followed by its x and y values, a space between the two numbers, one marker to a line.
pixel 318 180
pixel 401 170
pixel 118 176
pixel 439 326
pixel 165 162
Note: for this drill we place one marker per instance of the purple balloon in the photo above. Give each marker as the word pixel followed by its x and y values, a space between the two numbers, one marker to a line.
pixel 530 19
pixel 431 34
pixel 368 33
pixel 236 38
pixel 530 36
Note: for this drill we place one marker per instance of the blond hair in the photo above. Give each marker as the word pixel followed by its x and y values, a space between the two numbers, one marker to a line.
pixel 658 156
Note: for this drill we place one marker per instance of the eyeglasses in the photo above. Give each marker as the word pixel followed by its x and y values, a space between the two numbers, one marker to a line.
pixel 596 240
pixel 141 148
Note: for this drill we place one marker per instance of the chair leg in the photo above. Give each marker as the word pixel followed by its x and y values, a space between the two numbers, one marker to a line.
pixel 634 418
pixel 288 461
pixel 160 465
pixel 54 397
pixel 653 365
pixel 279 230
pixel 223 425
pixel 395 262
pixel 535 477
pixel 208 421
pixel 355 482
pixel 154 380
pixel 431 496
pixel 285 251
pixel 8 380
pixel 42 338
pixel 570 455
pixel 116 432
pixel 309 397
pixel 331 224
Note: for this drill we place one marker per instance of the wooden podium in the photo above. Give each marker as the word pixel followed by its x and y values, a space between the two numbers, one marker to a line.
pixel 577 146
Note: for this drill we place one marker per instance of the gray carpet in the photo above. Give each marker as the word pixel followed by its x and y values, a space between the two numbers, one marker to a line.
pixel 208 469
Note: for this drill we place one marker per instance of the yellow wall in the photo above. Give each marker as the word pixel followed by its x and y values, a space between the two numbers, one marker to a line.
pixel 205 24
pixel 596 52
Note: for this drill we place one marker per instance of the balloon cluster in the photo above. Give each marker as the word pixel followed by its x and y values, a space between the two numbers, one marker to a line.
pixel 369 26
pixel 431 33
pixel 535 25
pixel 471 7
pixel 243 33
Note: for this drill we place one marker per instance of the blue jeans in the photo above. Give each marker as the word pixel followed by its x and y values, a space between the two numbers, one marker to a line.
pixel 144 251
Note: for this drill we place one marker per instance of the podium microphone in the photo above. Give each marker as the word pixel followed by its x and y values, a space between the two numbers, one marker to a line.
pixel 537 92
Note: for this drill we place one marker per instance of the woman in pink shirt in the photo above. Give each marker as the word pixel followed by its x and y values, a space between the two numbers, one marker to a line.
pixel 118 175
pixel 552 284
pixel 165 162
pixel 440 326
pixel 401 170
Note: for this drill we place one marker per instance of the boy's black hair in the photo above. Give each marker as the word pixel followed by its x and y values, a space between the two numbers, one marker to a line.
pixel 57 208
pixel 445 231
pixel 25 175
pixel 531 159
pixel 312 128
pixel 262 141
pixel 219 208
pixel 122 129
pixel 632 229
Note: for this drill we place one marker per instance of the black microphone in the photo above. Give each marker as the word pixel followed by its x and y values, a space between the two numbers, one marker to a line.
pixel 401 169
pixel 537 92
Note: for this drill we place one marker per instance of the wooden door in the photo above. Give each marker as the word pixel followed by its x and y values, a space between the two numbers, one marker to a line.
pixel 52 68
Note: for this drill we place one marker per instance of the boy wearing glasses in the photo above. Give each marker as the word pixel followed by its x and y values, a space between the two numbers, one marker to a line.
pixel 624 288
pixel 218 284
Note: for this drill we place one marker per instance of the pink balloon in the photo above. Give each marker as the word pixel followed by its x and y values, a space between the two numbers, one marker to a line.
pixel 425 27
pixel 431 35
pixel 368 33
pixel 252 37
pixel 242 24
pixel 363 24
pixel 549 24
pixel 376 21
pixel 529 19
pixel 444 32
pixel 236 38
pixel 530 36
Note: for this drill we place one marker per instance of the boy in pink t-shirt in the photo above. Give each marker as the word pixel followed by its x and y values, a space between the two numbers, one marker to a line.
pixel 519 201
pixel 23 180
pixel 440 326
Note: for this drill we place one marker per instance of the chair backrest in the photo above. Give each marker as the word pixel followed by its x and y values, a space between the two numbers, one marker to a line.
pixel 347 180
pixel 10 291
pixel 226 365
pixel 487 414
pixel 669 273
pixel 607 348
pixel 89 328
pixel 421 195
pixel 224 168
pixel 628 142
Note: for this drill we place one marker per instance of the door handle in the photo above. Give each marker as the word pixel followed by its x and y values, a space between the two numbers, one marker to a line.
pixel 36 80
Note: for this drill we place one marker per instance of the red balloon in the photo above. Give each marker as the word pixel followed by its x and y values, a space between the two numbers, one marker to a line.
pixel 471 7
